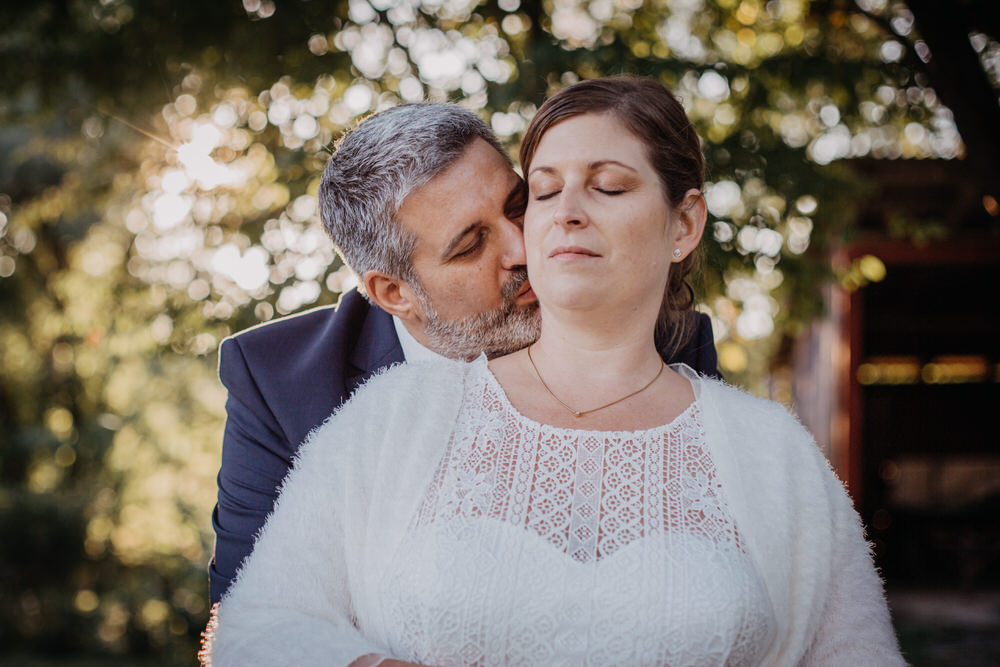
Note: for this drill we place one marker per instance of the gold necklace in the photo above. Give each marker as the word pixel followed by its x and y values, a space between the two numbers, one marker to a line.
pixel 580 413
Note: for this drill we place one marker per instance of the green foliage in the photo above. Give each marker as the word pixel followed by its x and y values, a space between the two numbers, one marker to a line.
pixel 158 171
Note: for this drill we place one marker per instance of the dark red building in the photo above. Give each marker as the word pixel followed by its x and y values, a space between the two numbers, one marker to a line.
pixel 901 381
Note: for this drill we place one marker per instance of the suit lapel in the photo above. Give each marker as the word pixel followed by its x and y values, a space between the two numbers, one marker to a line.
pixel 377 347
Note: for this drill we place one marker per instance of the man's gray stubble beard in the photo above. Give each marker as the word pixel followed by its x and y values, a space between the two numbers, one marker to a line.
pixel 496 332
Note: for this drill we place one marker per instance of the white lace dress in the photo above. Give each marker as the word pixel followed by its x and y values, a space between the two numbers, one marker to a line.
pixel 538 545
pixel 427 520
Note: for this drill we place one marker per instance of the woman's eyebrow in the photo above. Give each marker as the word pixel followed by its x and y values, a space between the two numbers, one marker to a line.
pixel 593 166
pixel 543 169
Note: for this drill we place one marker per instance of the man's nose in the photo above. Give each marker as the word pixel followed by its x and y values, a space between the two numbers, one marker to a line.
pixel 514 255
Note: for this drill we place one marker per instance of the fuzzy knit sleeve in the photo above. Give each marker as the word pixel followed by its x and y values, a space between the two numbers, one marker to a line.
pixel 855 629
pixel 307 590
pixel 803 533
pixel 290 603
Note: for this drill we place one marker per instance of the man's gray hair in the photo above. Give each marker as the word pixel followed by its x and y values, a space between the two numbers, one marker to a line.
pixel 376 165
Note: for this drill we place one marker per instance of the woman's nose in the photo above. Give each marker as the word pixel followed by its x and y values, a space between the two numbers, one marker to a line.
pixel 570 212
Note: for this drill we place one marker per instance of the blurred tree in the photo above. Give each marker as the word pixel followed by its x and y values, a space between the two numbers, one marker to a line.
pixel 158 171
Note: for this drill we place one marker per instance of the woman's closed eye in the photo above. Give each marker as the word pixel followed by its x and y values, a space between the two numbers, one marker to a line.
pixel 610 191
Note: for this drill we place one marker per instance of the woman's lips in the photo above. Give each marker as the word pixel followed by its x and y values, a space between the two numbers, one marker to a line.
pixel 570 252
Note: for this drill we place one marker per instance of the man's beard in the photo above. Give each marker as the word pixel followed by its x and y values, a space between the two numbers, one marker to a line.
pixel 497 332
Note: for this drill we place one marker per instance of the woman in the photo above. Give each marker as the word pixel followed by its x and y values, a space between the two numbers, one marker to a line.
pixel 576 502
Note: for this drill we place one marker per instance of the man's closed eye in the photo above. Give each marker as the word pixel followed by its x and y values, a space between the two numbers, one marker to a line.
pixel 472 248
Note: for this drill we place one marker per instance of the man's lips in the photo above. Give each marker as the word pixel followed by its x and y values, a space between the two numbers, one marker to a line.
pixel 570 251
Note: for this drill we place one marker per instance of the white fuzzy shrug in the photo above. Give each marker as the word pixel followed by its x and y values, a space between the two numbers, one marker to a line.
pixel 305 595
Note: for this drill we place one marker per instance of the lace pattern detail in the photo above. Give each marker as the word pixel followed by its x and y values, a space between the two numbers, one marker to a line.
pixel 543 545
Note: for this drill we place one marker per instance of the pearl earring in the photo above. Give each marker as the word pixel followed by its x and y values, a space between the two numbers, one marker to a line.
pixel 677 253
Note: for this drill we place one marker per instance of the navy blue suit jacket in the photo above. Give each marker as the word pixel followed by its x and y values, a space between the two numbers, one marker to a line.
pixel 284 379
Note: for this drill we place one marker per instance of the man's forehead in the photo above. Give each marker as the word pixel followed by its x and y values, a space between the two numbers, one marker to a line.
pixel 475 186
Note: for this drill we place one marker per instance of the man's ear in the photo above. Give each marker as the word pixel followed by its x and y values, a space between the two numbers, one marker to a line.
pixel 393 295
pixel 689 224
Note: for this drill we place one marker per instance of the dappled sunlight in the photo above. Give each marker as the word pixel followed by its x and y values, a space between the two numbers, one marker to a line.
pixel 184 238
pixel 198 164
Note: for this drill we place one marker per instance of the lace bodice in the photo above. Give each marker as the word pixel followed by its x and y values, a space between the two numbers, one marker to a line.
pixel 538 545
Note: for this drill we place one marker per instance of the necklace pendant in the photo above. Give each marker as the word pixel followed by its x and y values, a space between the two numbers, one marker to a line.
pixel 577 414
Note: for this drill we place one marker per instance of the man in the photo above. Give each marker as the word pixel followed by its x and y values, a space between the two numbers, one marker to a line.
pixel 423 204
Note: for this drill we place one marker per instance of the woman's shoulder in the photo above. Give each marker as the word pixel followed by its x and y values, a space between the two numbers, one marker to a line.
pixel 733 402
pixel 766 440
pixel 739 402
pixel 768 422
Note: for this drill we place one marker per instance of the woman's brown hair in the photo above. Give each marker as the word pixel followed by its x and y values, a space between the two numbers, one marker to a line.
pixel 655 117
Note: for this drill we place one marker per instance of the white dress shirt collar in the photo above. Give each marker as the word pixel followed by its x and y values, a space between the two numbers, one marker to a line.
pixel 413 350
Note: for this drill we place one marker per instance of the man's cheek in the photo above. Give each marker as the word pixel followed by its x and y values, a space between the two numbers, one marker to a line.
pixel 456 298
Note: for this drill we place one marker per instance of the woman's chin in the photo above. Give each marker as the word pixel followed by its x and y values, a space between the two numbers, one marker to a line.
pixel 574 298
pixel 574 303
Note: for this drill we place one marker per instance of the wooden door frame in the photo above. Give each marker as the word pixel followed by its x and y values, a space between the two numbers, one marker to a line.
pixel 847 440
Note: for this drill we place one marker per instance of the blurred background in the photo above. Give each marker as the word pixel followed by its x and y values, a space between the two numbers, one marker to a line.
pixel 159 163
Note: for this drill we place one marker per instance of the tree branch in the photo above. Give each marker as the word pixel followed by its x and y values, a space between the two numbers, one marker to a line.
pixel 957 75
pixel 913 58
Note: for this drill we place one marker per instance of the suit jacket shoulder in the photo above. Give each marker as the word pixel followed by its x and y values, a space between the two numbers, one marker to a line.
pixel 699 350
pixel 284 379
pixel 306 365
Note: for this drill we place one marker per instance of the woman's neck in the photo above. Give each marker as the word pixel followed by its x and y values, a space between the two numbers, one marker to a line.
pixel 603 352
pixel 586 372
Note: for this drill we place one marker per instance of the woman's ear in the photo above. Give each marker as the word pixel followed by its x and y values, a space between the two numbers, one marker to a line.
pixel 689 223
